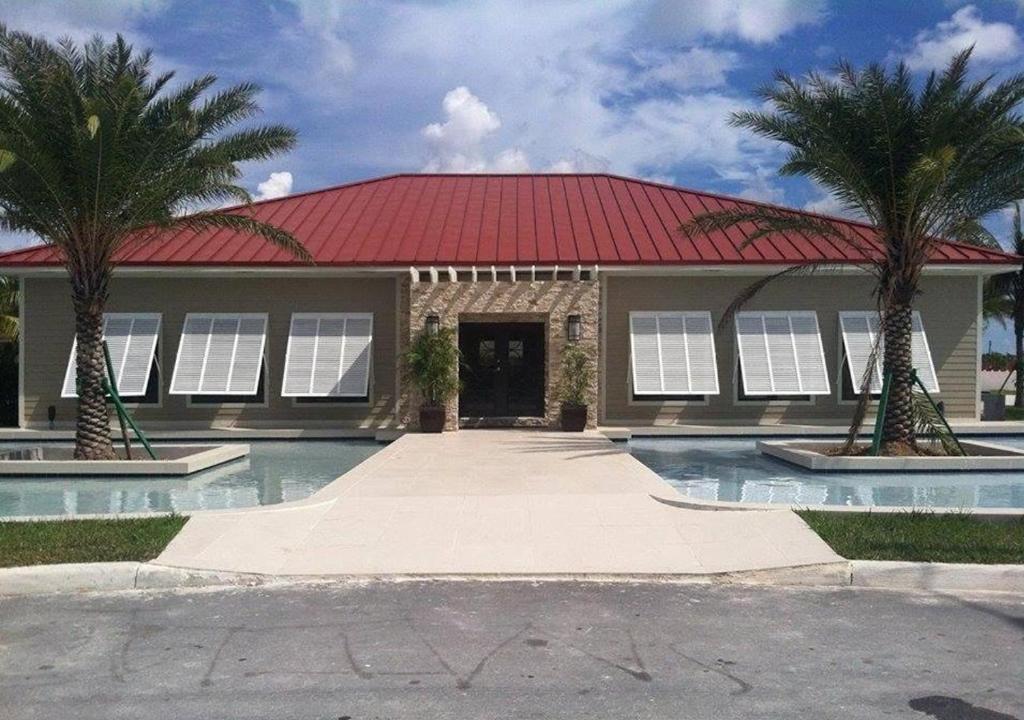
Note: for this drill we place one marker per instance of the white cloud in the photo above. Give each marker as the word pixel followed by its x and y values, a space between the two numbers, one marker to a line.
pixel 468 122
pixel 828 204
pixel 580 162
pixel 457 144
pixel 277 185
pixel 756 21
pixel 512 160
pixel 693 68
pixel 993 42
pixel 77 19
pixel 759 186
pixel 322 26
pixel 15 240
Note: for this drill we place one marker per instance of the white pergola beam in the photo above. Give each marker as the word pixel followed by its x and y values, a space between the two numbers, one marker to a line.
pixel 452 275
pixel 433 276
pixel 414 275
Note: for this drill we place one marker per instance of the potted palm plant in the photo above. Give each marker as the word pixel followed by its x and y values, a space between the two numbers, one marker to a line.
pixel 433 362
pixel 574 387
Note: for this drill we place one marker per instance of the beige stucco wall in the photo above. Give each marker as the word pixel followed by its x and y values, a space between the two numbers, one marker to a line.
pixel 949 310
pixel 948 306
pixel 49 332
pixel 549 302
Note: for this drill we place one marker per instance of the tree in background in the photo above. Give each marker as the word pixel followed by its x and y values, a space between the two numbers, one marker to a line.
pixel 9 331
pixel 96 151
pixel 8 309
pixel 1004 299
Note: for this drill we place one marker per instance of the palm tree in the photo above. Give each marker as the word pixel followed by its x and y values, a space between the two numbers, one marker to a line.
pixel 919 162
pixel 1004 298
pixel 8 309
pixel 96 151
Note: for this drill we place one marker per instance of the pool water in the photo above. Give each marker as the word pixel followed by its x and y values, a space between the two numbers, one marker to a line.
pixel 731 469
pixel 274 472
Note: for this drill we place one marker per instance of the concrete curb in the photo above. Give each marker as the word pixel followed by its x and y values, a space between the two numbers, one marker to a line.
pixel 119 576
pixel 114 576
pixel 937 576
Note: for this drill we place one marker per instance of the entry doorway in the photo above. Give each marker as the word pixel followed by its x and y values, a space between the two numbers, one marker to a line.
pixel 502 370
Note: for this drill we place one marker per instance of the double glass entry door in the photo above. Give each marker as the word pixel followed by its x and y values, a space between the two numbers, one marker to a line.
pixel 502 370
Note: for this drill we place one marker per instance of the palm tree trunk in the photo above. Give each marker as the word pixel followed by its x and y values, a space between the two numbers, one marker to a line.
pixel 92 426
pixel 898 423
pixel 1018 330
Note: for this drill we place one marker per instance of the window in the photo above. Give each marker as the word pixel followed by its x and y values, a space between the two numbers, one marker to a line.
pixel 742 396
pixel 673 355
pixel 847 391
pixel 258 399
pixel 861 331
pixel 329 356
pixel 132 340
pixel 332 400
pixel 221 355
pixel 780 356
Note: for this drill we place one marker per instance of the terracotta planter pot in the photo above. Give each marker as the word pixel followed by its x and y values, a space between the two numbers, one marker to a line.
pixel 432 419
pixel 574 418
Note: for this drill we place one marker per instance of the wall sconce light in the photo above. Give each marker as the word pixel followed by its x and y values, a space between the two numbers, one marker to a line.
pixel 51 414
pixel 433 325
pixel 574 328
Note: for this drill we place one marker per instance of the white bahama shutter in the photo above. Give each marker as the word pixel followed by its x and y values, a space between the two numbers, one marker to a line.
pixel 328 355
pixel 131 339
pixel 781 353
pixel 220 354
pixel 860 331
pixel 673 353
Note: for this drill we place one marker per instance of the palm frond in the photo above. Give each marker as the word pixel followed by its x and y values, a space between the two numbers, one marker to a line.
pixel 99 150
pixel 754 289
pixel 929 424
pixel 244 223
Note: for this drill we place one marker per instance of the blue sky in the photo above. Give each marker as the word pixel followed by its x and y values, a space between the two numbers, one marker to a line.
pixel 641 88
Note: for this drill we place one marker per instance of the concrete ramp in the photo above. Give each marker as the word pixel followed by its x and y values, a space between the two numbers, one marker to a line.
pixel 496 502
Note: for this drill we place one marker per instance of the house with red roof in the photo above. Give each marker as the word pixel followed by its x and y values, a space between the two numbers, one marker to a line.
pixel 219 328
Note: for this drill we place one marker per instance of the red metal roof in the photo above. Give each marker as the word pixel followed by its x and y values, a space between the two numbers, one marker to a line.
pixel 419 219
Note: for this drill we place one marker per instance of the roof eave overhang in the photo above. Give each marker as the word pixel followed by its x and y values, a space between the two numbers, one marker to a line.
pixel 295 270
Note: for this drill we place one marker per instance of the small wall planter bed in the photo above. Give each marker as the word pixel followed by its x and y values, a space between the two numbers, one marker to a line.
pixel 813 455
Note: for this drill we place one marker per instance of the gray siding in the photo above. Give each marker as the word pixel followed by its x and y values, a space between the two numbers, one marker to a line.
pixel 49 332
pixel 948 306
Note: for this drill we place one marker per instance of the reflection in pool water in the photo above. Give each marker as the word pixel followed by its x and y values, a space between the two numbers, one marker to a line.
pixel 731 469
pixel 274 472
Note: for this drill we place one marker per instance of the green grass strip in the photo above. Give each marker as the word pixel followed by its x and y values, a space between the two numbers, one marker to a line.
pixel 919 536
pixel 80 541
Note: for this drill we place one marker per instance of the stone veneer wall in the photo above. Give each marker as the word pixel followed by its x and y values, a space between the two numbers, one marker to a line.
pixel 548 301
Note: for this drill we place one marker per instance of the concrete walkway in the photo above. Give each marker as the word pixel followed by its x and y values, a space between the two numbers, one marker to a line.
pixel 495 502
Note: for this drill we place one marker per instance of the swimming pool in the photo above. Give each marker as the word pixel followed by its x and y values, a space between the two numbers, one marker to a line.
pixel 731 469
pixel 274 472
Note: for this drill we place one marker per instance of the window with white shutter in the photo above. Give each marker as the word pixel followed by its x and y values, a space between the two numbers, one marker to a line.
pixel 781 354
pixel 861 329
pixel 328 355
pixel 673 353
pixel 220 354
pixel 131 339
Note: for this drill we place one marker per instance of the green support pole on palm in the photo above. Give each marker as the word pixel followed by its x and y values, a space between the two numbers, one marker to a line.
pixel 110 387
pixel 883 402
